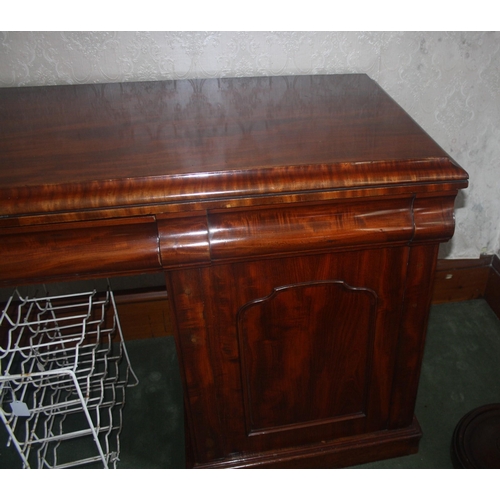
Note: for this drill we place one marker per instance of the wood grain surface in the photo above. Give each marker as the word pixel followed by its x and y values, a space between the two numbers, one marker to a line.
pixel 89 147
pixel 297 221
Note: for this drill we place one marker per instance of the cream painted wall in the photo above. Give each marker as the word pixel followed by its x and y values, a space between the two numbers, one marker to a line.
pixel 449 82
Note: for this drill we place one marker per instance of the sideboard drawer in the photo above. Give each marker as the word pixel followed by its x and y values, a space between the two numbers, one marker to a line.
pixel 64 251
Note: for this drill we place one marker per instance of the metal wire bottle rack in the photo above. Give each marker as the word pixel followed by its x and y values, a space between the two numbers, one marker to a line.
pixel 64 369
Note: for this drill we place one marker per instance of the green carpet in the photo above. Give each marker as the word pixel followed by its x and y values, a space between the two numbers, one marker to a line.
pixel 461 371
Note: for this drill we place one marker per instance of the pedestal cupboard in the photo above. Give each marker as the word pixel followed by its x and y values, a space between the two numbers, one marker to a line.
pixel 297 220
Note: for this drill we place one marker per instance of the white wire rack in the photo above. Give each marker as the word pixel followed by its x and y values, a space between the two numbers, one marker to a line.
pixel 64 369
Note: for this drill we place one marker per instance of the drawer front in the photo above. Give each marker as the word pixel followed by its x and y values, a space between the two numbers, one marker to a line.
pixel 78 250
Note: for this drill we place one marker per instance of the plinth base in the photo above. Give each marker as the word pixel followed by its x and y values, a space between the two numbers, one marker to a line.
pixel 343 452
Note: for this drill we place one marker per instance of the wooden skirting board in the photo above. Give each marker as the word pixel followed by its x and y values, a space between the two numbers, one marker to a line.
pixel 459 280
pixel 147 315
pixel 492 292
pixel 144 315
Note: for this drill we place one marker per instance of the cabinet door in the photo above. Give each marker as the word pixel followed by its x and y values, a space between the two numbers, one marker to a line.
pixel 284 352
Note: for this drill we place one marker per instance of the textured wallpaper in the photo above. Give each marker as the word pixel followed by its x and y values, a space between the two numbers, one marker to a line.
pixel 449 82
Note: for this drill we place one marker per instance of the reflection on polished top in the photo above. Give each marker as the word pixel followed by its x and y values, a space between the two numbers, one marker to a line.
pixel 208 139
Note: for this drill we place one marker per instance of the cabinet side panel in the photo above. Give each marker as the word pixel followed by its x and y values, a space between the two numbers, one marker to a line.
pixel 417 301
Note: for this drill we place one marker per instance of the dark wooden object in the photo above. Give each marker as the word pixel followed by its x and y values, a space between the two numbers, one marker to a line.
pixel 297 220
pixel 475 442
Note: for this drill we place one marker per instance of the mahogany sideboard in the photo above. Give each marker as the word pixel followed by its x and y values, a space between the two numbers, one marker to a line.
pixel 297 221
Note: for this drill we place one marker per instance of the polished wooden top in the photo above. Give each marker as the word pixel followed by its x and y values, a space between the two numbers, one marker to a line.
pixel 67 148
